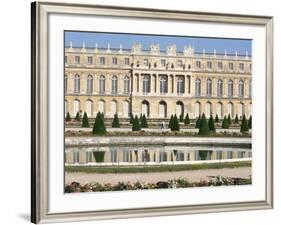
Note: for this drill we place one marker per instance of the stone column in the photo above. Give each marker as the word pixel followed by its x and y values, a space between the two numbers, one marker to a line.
pixel 70 82
pixel 157 84
pixel 225 87
pixel 246 88
pixel 133 156
pixel 107 158
pixel 235 88
pixel 214 87
pixel 192 155
pixel 157 159
pixel 68 158
pixel 152 84
pixel 82 156
pixel 186 83
pixel 140 155
pixel 174 84
pixel 120 83
pixel 108 84
pixel 203 86
pixel 170 84
pixel 139 84
pixel 213 155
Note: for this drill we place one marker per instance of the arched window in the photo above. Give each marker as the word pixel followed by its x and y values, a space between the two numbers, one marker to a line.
pixel 219 109
pixel 89 108
pixel 113 107
pixel 250 88
pixel 89 84
pixel 208 109
pixel 126 109
pixel 241 88
pixel 126 85
pixel 163 84
pixel 101 106
pixel 162 109
pixel 65 83
pixel 241 110
pixel 197 87
pixel 179 109
pixel 102 84
pixel 209 88
pixel 180 85
pixel 230 88
pixel 76 107
pixel 230 109
pixel 145 108
pixel 114 85
pixel 76 83
pixel 219 88
pixel 146 84
pixel 197 109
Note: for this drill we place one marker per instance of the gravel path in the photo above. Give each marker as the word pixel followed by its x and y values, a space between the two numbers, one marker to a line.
pixel 195 175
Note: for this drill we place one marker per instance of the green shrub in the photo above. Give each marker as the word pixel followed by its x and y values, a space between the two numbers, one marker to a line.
pixel 78 117
pixel 68 118
pixel 211 124
pixel 171 121
pixel 217 119
pixel 250 122
pixel 144 122
pixel 181 117
pixel 136 124
pixel 115 122
pixel 203 155
pixel 99 127
pixel 225 124
pixel 236 120
pixel 244 125
pixel 186 120
pixel 175 123
pixel 229 119
pixel 99 156
pixel 131 118
pixel 197 125
pixel 203 128
pixel 85 120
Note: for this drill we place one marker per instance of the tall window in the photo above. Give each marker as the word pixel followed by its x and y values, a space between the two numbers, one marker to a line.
pixel 198 64
pixel 114 61
pixel 180 85
pixel 209 87
pixel 220 65
pixel 114 85
pixel 197 87
pixel 145 62
pixel 209 65
pixel 90 60
pixel 241 88
pixel 179 63
pixel 89 84
pixel 102 84
pixel 230 88
pixel 241 66
pixel 126 85
pixel 163 62
pixel 219 88
pixel 76 83
pixel 230 66
pixel 77 59
pixel 102 60
pixel 163 84
pixel 146 84
pixel 127 61
pixel 65 83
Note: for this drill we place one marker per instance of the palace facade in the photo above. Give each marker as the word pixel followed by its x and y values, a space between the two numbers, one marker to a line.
pixel 156 83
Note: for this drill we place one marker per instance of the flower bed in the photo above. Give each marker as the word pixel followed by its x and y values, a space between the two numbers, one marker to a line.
pixel 176 183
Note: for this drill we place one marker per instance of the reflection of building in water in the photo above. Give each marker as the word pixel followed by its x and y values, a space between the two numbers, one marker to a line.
pixel 156 83
pixel 146 154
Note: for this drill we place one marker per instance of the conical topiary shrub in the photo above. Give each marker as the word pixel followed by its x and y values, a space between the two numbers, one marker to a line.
pixel 197 125
pixel 131 118
pixel 99 127
pixel 144 122
pixel 175 124
pixel 115 122
pixel 244 125
pixel 236 120
pixel 250 122
pixel 68 118
pixel 171 121
pixel 211 124
pixel 203 128
pixel 217 119
pixel 186 120
pixel 181 117
pixel 225 124
pixel 229 120
pixel 77 117
pixel 85 120
pixel 136 124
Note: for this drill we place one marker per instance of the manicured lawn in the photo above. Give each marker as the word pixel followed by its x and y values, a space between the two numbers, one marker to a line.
pixel 160 168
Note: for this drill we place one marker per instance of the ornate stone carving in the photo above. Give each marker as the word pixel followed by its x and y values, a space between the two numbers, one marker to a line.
pixel 154 49
pixel 172 49
pixel 188 50
pixel 136 48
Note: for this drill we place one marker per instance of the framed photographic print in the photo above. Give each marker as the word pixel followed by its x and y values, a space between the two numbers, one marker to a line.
pixel 146 112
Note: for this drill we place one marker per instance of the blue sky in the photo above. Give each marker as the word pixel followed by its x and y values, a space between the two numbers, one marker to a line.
pixel 127 40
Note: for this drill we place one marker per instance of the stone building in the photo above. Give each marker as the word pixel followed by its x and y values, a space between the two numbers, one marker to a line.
pixel 156 83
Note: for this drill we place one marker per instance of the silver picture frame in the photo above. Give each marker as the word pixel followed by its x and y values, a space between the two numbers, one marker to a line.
pixel 40 102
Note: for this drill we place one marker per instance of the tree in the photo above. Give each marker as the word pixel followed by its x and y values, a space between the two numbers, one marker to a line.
pixel 217 119
pixel 244 125
pixel 181 117
pixel 225 124
pixel 203 128
pixel 236 120
pixel 144 122
pixel 211 124
pixel 250 122
pixel 197 125
pixel 136 124
pixel 68 118
pixel 115 122
pixel 131 118
pixel 229 119
pixel 140 119
pixel 99 127
pixel 175 123
pixel 77 117
pixel 186 120
pixel 171 121
pixel 85 120
pixel 102 116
